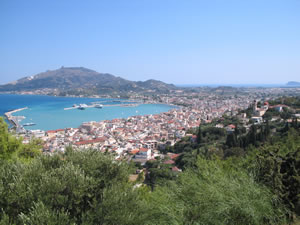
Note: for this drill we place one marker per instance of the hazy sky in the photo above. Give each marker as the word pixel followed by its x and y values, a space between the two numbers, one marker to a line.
pixel 181 42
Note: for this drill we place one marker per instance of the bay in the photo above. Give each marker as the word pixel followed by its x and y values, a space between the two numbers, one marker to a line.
pixel 48 113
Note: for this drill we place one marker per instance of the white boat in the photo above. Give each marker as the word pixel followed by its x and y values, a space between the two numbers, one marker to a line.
pixel 28 124
pixel 98 106
pixel 82 106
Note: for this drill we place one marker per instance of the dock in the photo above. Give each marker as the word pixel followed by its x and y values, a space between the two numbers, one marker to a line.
pixel 14 120
pixel 93 106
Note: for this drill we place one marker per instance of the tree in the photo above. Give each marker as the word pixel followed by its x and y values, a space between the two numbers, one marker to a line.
pixel 215 193
pixel 11 147
pixel 66 185
pixel 231 140
pixel 281 172
pixel 199 136
pixel 253 135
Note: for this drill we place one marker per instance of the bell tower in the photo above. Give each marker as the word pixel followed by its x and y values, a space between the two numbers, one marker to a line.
pixel 254 106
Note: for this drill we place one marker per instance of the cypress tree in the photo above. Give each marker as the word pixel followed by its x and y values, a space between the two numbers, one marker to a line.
pixel 199 136
pixel 231 140
pixel 286 127
pixel 253 135
pixel 267 130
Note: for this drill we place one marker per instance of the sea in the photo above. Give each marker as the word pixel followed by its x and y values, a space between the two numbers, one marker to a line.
pixel 47 112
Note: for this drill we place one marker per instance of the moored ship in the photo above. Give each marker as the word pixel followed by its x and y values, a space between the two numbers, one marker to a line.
pixel 82 106
pixel 98 106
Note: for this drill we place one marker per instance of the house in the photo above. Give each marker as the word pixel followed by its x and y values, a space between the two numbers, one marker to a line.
pixel 230 128
pixel 144 153
pixel 169 162
pixel 259 111
pixel 219 125
pixel 176 169
pixel 257 119
pixel 94 143
pixel 279 107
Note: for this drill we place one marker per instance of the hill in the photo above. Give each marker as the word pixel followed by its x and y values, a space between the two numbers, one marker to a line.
pixel 80 80
pixel 293 83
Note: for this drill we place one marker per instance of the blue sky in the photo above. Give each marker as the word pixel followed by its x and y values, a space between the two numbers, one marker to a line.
pixel 181 42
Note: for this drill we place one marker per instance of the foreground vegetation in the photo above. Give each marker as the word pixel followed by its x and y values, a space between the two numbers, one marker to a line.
pixel 89 188
pixel 224 181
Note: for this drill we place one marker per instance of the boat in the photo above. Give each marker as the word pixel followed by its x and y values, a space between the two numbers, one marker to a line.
pixel 82 106
pixel 28 124
pixel 98 106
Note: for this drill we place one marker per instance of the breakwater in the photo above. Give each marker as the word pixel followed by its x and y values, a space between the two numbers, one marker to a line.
pixel 14 120
pixel 94 106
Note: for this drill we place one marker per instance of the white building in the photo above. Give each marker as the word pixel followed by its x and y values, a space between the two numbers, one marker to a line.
pixel 144 153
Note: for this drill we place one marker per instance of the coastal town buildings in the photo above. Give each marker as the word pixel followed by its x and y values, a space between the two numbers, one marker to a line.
pixel 140 137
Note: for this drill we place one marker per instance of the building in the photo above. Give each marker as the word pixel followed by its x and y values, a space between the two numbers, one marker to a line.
pixel 144 153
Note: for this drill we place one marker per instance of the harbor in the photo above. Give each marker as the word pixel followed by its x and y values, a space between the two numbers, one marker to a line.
pixel 15 120
pixel 47 112
pixel 84 106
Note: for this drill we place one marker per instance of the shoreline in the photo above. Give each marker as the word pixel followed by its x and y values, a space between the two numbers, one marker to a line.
pixel 119 118
pixel 15 123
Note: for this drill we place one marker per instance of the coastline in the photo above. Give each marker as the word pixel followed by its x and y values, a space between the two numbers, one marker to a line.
pixel 14 121
pixel 174 107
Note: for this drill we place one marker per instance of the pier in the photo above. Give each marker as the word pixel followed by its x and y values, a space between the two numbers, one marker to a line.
pixel 94 106
pixel 14 120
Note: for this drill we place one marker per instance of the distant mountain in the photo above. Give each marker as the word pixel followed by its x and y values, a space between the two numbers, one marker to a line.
pixel 79 80
pixel 293 83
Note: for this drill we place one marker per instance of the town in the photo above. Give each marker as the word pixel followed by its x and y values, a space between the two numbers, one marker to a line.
pixel 141 138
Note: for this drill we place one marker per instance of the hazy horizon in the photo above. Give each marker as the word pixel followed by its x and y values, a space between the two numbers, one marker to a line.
pixel 179 42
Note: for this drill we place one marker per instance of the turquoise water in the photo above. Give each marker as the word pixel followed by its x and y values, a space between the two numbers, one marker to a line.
pixel 48 113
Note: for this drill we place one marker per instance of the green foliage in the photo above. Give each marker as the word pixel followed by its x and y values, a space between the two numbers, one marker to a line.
pixel 4 219
pixel 66 185
pixel 199 136
pixel 280 170
pixel 216 193
pixel 40 214
pixel 231 140
pixel 120 204
pixel 11 147
pixel 289 101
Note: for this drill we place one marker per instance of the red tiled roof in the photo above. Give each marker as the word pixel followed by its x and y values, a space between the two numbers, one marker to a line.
pixel 279 105
pixel 51 131
pixel 143 149
pixel 134 151
pixel 175 156
pixel 169 162
pixel 97 140
pixel 175 169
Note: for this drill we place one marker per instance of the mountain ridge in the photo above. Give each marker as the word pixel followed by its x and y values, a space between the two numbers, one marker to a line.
pixel 293 83
pixel 81 80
